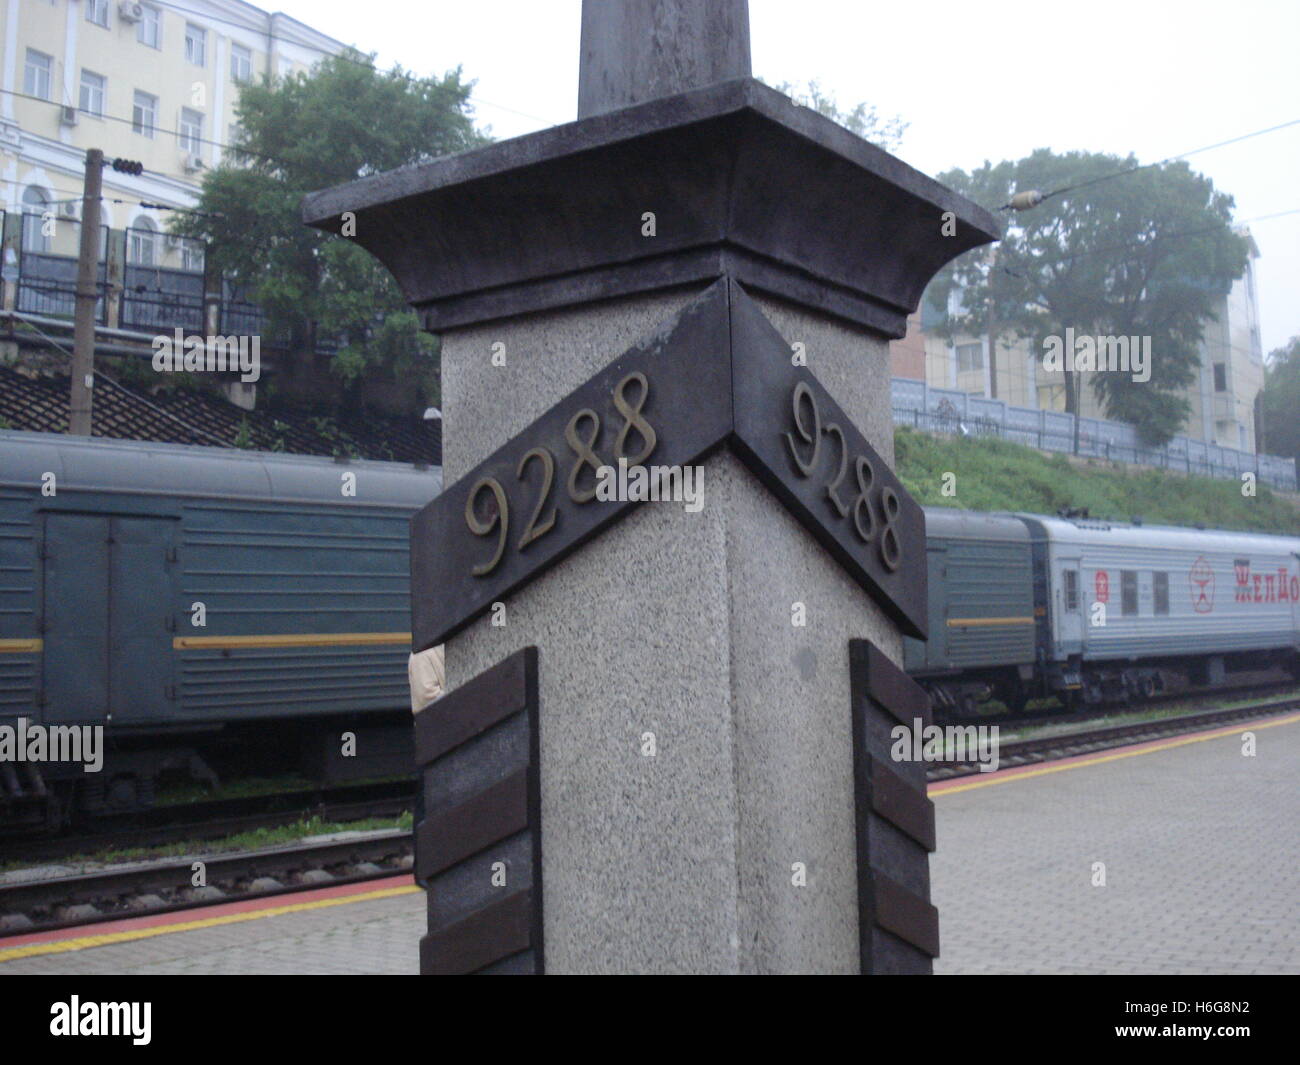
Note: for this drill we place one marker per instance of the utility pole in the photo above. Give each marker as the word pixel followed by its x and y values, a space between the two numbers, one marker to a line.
pixel 83 337
pixel 991 327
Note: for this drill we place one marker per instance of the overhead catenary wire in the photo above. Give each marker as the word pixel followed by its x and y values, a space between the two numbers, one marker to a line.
pixel 1022 201
pixel 152 129
pixel 73 197
pixel 1165 236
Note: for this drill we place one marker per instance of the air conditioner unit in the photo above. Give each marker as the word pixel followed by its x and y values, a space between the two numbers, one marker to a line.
pixel 67 115
pixel 69 209
pixel 193 163
pixel 171 242
pixel 130 12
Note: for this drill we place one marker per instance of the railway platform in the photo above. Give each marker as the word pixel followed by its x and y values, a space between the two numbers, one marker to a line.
pixel 367 928
pixel 1174 856
pixel 1177 856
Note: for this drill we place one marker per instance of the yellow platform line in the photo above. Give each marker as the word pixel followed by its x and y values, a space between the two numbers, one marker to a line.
pixel 292 639
pixel 955 622
pixel 61 946
pixel 24 646
pixel 1200 737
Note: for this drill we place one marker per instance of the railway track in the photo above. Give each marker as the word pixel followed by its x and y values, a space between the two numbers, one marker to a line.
pixel 168 885
pixel 1093 713
pixel 165 886
pixel 216 819
pixel 1066 745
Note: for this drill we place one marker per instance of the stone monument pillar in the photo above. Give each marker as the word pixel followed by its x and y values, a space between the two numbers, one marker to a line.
pixel 666 741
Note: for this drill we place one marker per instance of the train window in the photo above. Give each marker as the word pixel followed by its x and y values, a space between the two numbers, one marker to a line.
pixel 1160 584
pixel 1128 591
pixel 1071 589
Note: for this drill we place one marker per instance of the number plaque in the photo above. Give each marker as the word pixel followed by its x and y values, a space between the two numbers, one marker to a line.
pixel 719 373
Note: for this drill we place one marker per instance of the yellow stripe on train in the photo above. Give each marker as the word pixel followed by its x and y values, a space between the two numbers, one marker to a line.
pixel 955 622
pixel 25 646
pixel 293 639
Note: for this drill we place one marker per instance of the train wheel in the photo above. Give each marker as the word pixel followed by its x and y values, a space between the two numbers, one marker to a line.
pixel 1013 695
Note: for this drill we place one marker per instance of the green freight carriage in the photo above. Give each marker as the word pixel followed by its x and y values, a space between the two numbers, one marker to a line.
pixel 193 599
pixel 981 611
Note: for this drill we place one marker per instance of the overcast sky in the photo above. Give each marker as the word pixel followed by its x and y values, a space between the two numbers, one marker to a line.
pixel 975 81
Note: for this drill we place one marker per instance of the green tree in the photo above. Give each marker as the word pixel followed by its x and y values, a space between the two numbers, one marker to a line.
pixel 863 120
pixel 343 120
pixel 1148 253
pixel 1279 402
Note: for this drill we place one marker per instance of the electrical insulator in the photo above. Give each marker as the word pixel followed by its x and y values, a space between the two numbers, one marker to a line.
pixel 1022 201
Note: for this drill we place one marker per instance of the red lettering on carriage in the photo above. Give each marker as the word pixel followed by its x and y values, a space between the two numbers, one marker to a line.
pixel 1278 587
pixel 1201 578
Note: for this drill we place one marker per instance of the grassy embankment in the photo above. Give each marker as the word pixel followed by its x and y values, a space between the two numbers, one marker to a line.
pixel 998 475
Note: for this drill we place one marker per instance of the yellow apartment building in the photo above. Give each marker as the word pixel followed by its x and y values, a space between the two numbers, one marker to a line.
pixel 150 81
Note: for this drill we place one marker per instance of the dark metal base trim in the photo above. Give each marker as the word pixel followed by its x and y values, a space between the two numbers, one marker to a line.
pixel 478 836
pixel 898 928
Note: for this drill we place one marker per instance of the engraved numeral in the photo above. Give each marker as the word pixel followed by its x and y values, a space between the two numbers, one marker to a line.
pixel 533 530
pixel 500 517
pixel 836 501
pixel 632 419
pixel 863 522
pixel 586 456
pixel 891 548
pixel 813 436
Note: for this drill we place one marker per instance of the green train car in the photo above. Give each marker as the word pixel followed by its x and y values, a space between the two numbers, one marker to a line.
pixel 981 610
pixel 196 603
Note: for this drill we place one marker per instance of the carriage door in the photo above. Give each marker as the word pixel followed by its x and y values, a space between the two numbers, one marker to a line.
pixel 141 596
pixel 1070 600
pixel 107 617
pixel 74 618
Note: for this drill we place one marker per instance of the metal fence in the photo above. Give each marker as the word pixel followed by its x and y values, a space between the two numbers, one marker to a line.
pixel 47 285
pixel 947 410
pixel 158 299
pixel 240 316
pixel 163 284
pixel 47 280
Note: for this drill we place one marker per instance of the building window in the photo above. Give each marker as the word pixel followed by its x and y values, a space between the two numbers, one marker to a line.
pixel 92 94
pixel 970 357
pixel 97 12
pixel 192 256
pixel 36 74
pixel 196 44
pixel 149 29
pixel 142 245
pixel 1128 592
pixel 191 131
pixel 1160 583
pixel 241 63
pixel 1071 590
pixel 35 204
pixel 144 113
pixel 1220 377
